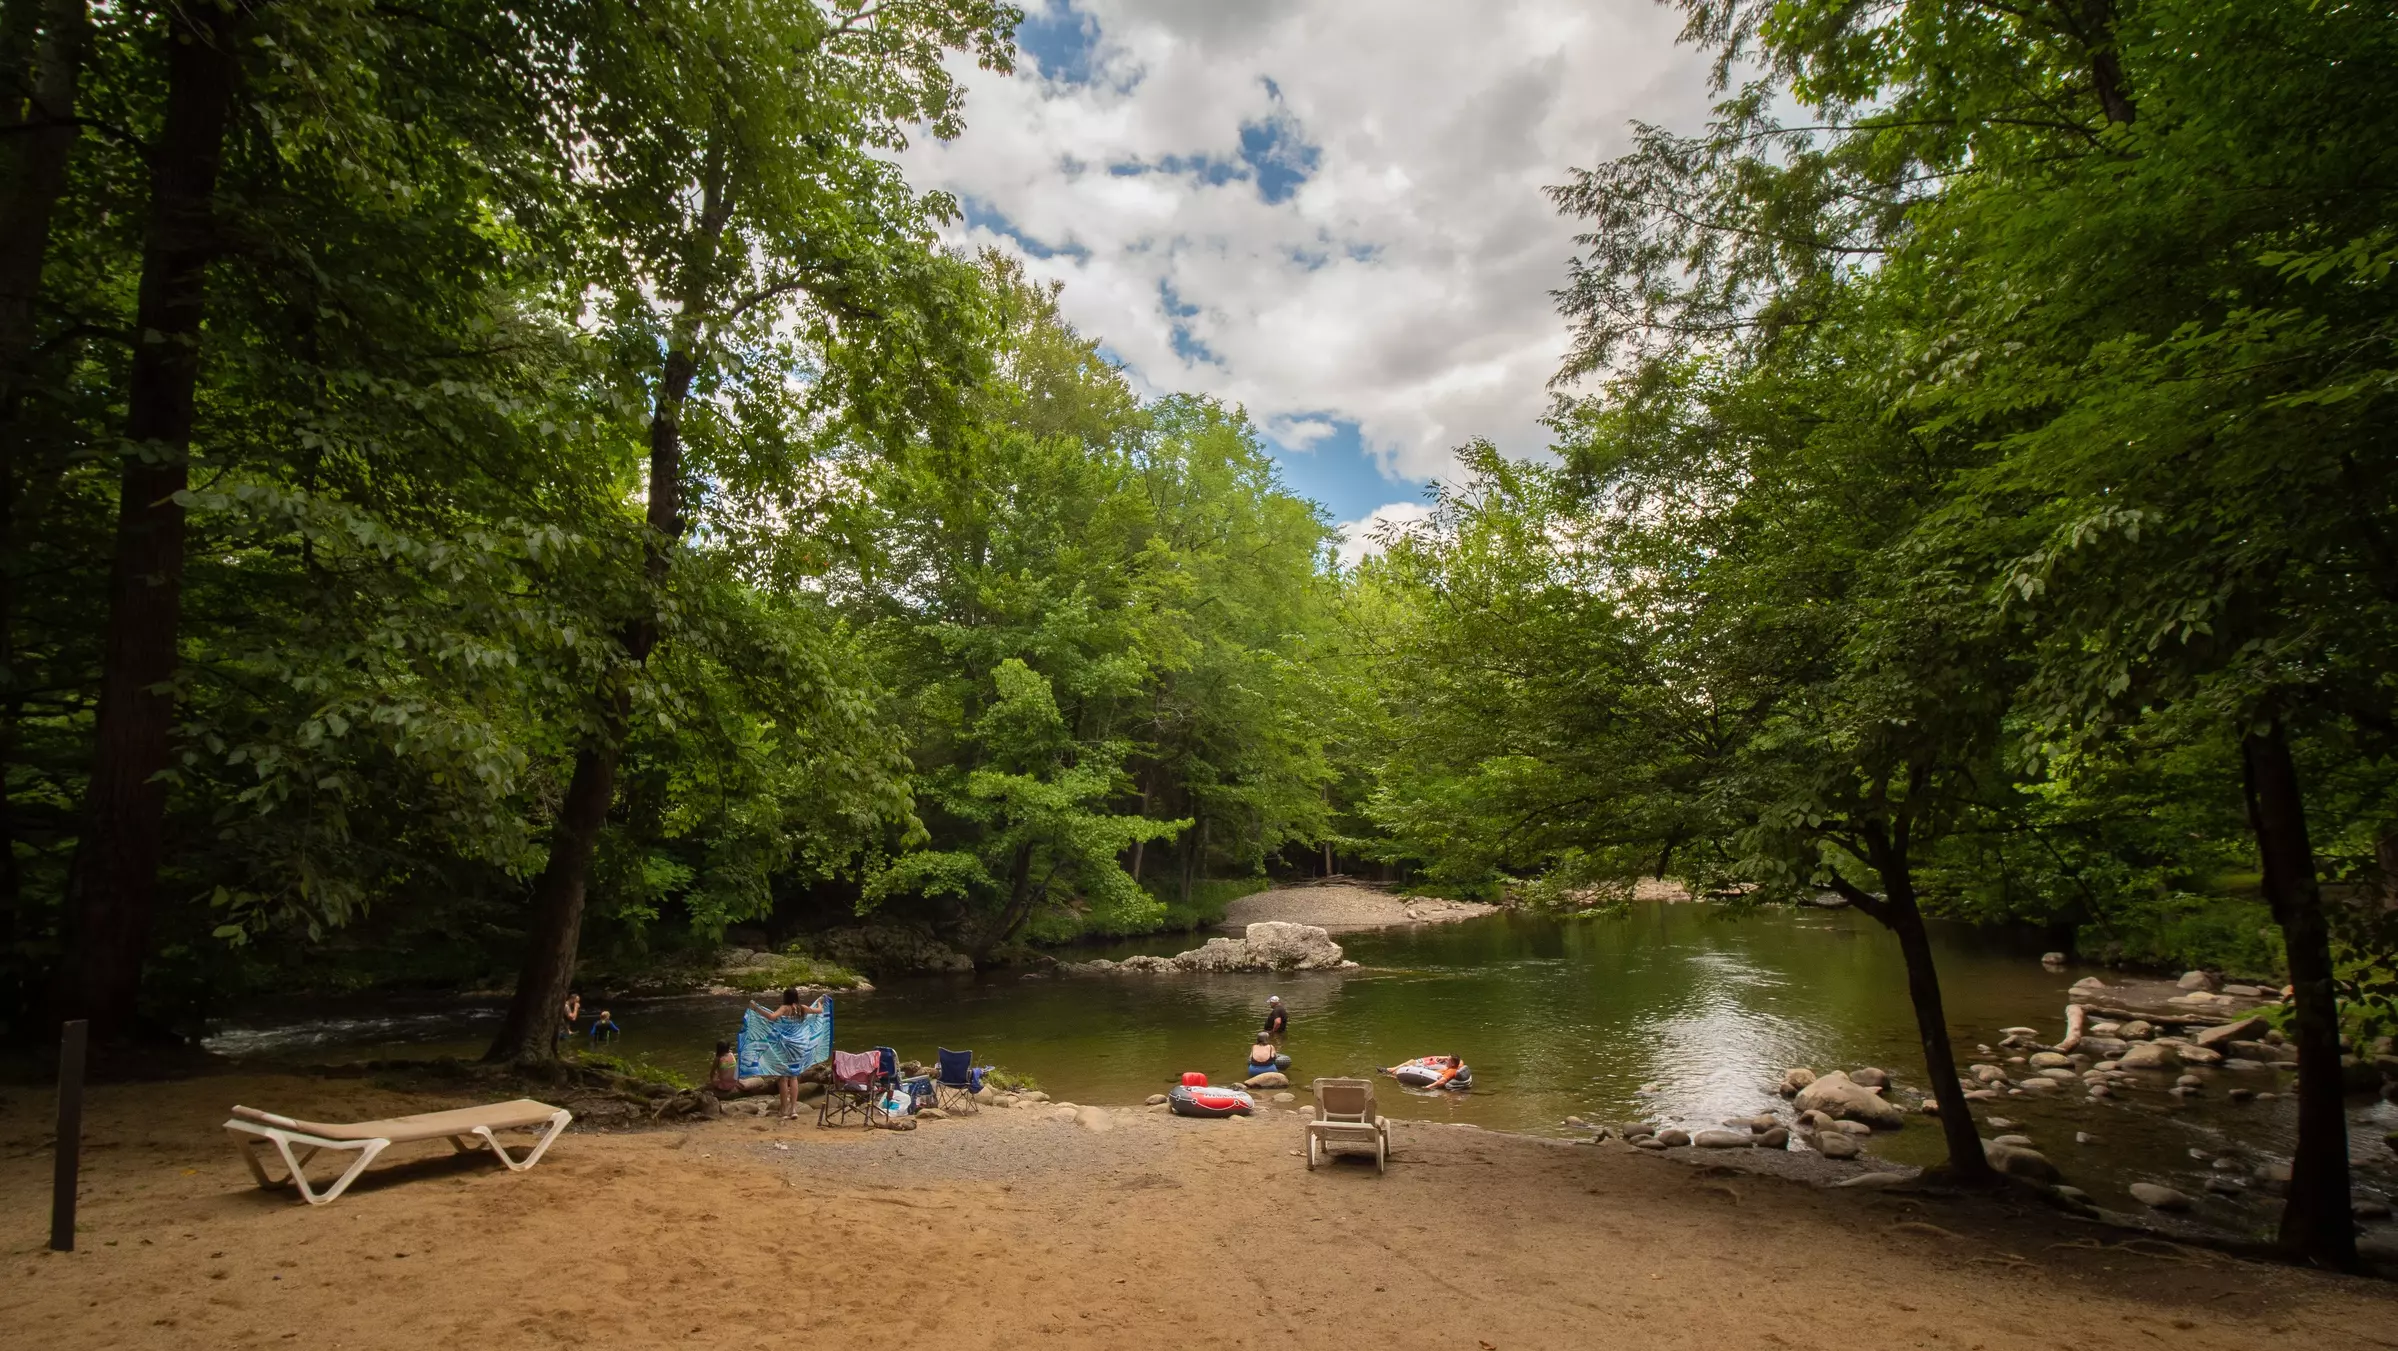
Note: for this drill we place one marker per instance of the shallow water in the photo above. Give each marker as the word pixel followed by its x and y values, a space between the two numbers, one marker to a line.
pixel 1558 1017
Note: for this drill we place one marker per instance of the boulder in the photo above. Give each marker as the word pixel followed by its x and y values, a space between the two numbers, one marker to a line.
pixel 1777 1138
pixel 2158 1198
pixel 1870 1077
pixel 1838 1145
pixel 1852 1128
pixel 1723 1139
pixel 2105 1048
pixel 1989 1074
pixel 2200 980
pixel 2051 1060
pixel 2020 1161
pixel 1795 1079
pixel 1649 1142
pixel 2089 984
pixel 1815 1121
pixel 2149 1056
pixel 1837 1096
pixel 1634 1130
pixel 1672 1138
pixel 1269 1079
pixel 2246 1029
pixel 2197 1055
pixel 2138 1029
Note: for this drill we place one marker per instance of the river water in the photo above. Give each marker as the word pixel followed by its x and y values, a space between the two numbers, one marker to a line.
pixel 1675 1013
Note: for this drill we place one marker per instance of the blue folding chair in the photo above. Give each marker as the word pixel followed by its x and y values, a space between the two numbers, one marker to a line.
pixel 953 1085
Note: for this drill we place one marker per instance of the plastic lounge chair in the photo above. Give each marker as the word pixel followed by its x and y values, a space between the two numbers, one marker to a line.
pixel 1345 1118
pixel 855 1088
pixel 953 1087
pixel 466 1128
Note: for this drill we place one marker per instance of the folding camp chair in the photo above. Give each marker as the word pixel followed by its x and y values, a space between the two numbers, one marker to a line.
pixel 953 1087
pixel 855 1088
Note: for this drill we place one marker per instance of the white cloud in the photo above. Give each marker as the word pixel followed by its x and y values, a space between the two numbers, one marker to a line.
pixel 1358 538
pixel 1404 284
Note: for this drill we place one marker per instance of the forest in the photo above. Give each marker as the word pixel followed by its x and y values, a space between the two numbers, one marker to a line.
pixel 492 487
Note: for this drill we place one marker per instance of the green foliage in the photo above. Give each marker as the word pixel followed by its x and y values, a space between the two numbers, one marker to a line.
pixel 1008 1081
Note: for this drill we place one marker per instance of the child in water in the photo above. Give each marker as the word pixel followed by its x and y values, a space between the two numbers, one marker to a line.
pixel 604 1028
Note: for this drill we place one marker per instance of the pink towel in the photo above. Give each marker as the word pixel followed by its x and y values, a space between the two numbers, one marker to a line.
pixel 855 1067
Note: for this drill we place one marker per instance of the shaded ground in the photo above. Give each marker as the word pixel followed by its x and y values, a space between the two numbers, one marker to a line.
pixel 1337 906
pixel 1015 1229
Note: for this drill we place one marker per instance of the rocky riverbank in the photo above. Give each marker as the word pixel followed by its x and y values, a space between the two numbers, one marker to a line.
pixel 1337 905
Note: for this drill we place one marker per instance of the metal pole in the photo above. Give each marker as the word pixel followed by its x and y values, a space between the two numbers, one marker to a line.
pixel 68 1156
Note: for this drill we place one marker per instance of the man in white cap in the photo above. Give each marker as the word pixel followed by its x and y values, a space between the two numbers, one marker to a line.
pixel 1277 1021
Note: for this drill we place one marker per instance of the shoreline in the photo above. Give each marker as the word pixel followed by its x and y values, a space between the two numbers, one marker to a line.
pixel 1043 1226
pixel 1341 906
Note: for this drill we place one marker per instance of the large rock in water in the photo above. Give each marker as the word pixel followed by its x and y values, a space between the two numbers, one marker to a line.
pixel 2020 1161
pixel 1835 1095
pixel 1277 946
pixel 2149 1056
pixel 2217 1038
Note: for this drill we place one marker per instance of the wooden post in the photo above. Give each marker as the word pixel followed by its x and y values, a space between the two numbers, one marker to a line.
pixel 67 1156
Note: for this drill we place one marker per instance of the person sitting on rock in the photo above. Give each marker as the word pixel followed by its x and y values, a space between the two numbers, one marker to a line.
pixel 1263 1057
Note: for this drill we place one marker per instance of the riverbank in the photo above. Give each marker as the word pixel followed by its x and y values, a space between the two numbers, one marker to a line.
pixel 1339 907
pixel 1013 1228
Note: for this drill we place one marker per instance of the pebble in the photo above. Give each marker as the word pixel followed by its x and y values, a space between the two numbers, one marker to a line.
pixel 2000 1123
pixel 2226 1186
pixel 2019 1141
pixel 2085 1138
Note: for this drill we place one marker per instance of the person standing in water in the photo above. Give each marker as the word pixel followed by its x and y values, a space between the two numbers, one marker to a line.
pixel 573 1011
pixel 1277 1021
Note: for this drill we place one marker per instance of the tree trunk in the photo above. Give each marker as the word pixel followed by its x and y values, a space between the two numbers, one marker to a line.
pixel 1965 1157
pixel 554 939
pixel 44 45
pixel 115 869
pixel 2315 1223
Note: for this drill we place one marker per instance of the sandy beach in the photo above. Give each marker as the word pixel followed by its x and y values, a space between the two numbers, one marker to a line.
pixel 1016 1228
pixel 1337 906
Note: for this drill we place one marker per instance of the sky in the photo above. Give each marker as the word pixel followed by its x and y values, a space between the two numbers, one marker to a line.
pixel 1327 212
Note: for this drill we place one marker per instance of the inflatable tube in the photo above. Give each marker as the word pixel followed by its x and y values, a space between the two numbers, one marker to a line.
pixel 1423 1072
pixel 1202 1100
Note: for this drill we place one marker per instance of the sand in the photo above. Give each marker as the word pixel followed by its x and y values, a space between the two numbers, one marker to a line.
pixel 1015 1229
pixel 1337 906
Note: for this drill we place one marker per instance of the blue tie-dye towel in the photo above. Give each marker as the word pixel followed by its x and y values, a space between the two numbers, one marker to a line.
pixel 779 1046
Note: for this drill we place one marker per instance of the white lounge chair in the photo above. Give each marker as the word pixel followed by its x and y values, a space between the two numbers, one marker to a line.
pixel 1345 1117
pixel 466 1128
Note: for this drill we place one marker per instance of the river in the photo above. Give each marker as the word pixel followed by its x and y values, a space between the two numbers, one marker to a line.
pixel 1679 1013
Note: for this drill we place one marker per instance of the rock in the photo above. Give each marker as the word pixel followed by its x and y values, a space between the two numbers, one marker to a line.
pixel 2060 1074
pixel 1672 1138
pixel 2051 1060
pixel 2189 1081
pixel 2149 1056
pixel 1033 1095
pixel 1931 1107
pixel 1286 1097
pixel 2089 984
pixel 2197 1055
pixel 1576 1122
pixel 2248 991
pixel 1981 1094
pixel 2138 1029
pixel 2241 1094
pixel 1852 1128
pixel 1723 1139
pixel 1870 1077
pixel 931 1114
pixel 1989 1074
pixel 2052 959
pixel 1269 1079
pixel 1156 1098
pixel 1815 1121
pixel 2020 1161
pixel 1795 1079
pixel 2159 1198
pixel 2199 980
pixel 1835 1095
pixel 2273 1177
pixel 2000 1123
pixel 2039 1085
pixel 2216 1038
pixel 1649 1142
pixel 2226 1186
pixel 1777 1138
pixel 1095 1120
pixel 1309 1114
pixel 2012 1141
pixel 1063 1113
pixel 1838 1145
pixel 2105 1048
pixel 1633 1130
pixel 1876 1181
pixel 2271 1053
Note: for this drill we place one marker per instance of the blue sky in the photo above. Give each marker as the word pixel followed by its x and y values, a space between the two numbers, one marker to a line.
pixel 1328 213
